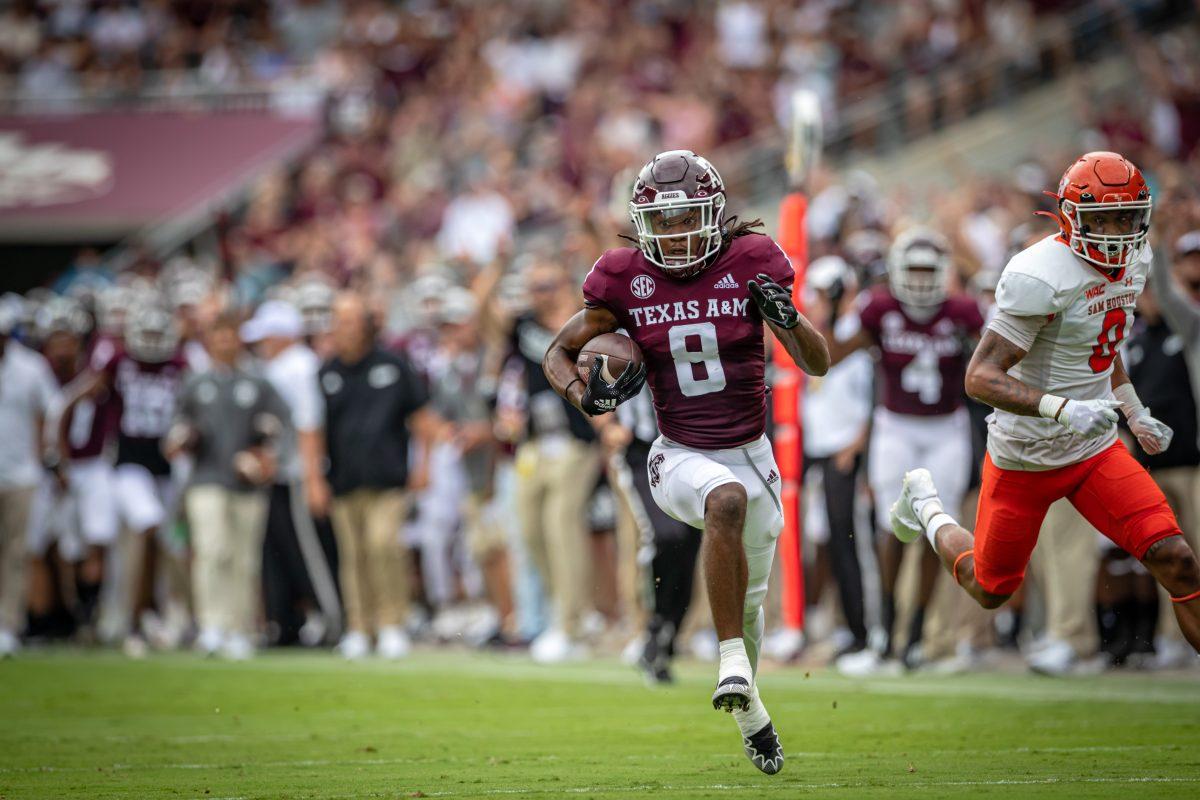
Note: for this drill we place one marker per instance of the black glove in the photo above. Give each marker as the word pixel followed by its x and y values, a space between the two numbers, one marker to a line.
pixel 599 397
pixel 774 302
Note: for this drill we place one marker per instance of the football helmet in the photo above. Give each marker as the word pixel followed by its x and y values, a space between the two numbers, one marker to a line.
pixel 918 265
pixel 1104 189
pixel 61 315
pixel 150 334
pixel 12 309
pixel 678 208
pixel 313 298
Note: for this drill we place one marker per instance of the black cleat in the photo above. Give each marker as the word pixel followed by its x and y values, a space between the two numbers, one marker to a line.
pixel 732 694
pixel 763 750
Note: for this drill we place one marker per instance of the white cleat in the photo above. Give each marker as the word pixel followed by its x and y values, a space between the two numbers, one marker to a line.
pixel 732 694
pixel 763 750
pixel 906 522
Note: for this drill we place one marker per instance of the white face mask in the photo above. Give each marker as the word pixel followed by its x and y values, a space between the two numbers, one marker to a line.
pixel 1121 244
pixel 678 235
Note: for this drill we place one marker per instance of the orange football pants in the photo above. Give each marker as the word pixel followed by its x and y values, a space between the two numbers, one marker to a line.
pixel 1111 490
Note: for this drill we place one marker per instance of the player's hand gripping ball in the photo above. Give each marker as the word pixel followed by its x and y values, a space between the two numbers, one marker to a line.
pixel 773 301
pixel 600 396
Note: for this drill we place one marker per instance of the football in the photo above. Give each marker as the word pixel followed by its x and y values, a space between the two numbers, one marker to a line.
pixel 616 349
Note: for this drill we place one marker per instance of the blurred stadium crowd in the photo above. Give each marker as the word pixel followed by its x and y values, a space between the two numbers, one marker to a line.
pixel 392 294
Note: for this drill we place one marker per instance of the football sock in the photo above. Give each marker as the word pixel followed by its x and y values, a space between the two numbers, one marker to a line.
pixel 752 635
pixel 734 661
pixel 932 516
pixel 753 719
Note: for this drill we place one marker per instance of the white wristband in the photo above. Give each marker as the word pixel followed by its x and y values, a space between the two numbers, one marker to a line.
pixel 1127 396
pixel 1051 406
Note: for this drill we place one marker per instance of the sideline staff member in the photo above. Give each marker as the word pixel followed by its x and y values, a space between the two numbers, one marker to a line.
pixel 373 399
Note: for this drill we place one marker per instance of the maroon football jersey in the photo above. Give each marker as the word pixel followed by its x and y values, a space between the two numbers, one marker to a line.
pixel 145 396
pixel 922 363
pixel 702 338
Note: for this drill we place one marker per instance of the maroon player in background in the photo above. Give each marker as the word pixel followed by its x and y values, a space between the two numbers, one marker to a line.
pixel 923 338
pixel 142 375
pixel 83 474
pixel 694 296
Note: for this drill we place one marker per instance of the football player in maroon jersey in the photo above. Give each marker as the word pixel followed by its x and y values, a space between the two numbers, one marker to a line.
pixel 83 472
pixel 923 337
pixel 143 375
pixel 694 295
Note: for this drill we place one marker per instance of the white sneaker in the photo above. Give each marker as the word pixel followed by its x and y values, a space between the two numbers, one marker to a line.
pixel 555 647
pixel 392 643
pixel 906 522
pixel 313 631
pixel 209 641
pixel 704 646
pixel 9 644
pixel 1053 657
pixel 354 646
pixel 135 646
pixel 631 654
pixel 784 644
pixel 1173 654
pixel 867 664
pixel 238 648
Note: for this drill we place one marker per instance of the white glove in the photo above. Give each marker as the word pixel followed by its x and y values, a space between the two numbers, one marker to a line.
pixel 1089 418
pixel 1152 435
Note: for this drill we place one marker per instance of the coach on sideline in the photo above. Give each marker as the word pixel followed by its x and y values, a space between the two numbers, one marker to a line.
pixel 373 404
pixel 230 420
pixel 27 389
pixel 299 546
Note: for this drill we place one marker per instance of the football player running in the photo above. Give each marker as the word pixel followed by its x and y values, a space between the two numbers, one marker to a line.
pixel 923 336
pixel 1049 364
pixel 694 295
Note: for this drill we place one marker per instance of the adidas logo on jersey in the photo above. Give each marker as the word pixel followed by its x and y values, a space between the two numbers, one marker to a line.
pixel 772 477
pixel 726 283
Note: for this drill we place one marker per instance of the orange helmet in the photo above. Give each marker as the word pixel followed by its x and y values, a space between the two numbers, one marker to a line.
pixel 1104 191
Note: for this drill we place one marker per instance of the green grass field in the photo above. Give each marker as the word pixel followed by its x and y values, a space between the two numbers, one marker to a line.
pixel 465 725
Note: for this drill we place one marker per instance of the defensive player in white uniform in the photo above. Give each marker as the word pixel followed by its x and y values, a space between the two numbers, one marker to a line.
pixel 1051 367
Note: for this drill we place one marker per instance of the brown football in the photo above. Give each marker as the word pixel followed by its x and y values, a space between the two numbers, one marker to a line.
pixel 616 349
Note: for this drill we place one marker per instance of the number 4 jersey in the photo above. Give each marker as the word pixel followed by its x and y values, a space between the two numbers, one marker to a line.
pixel 1087 315
pixel 702 338
pixel 922 361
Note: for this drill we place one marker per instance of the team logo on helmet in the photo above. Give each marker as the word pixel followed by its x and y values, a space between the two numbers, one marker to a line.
pixel 642 286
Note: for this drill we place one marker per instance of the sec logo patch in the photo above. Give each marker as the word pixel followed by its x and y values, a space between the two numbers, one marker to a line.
pixel 642 286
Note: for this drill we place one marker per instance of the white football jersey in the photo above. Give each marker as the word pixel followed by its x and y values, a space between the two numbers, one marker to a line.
pixel 1089 316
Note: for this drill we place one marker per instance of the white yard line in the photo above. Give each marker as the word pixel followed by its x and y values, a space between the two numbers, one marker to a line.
pixel 756 787
pixel 795 755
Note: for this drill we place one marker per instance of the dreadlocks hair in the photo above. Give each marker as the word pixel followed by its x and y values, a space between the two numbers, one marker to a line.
pixel 732 229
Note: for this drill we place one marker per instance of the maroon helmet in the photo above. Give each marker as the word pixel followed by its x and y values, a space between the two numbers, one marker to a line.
pixel 677 209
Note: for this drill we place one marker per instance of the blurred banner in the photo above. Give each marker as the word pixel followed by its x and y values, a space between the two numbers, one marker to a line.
pixel 107 175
